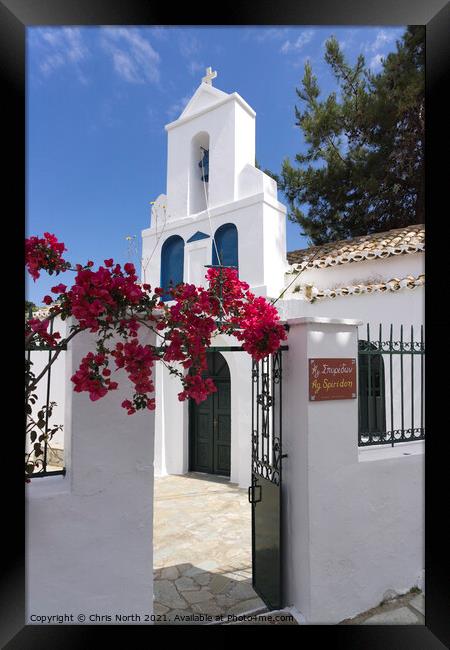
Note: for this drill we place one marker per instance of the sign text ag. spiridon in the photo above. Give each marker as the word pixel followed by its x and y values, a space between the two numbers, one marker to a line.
pixel 332 379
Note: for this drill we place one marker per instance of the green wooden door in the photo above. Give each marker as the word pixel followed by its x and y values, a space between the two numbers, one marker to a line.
pixel 210 423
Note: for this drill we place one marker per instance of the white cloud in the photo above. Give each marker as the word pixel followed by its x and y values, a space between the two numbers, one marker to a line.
pixel 133 57
pixel 382 38
pixel 188 45
pixel 58 47
pixel 262 35
pixel 376 62
pixel 178 107
pixel 272 34
pixel 160 32
pixel 51 63
pixel 380 46
pixel 295 46
pixel 195 66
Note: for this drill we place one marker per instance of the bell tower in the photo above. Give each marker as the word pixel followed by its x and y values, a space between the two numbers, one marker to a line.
pixel 218 202
pixel 224 126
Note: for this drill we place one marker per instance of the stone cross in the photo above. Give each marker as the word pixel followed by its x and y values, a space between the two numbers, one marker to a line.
pixel 210 75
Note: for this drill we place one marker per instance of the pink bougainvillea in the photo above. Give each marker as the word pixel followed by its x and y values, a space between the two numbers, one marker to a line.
pixel 110 303
pixel 44 254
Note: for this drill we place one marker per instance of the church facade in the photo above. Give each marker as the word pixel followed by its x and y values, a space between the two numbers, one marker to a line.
pixel 220 208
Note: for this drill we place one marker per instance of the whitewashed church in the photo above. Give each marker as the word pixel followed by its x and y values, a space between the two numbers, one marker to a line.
pixel 220 208
pixel 338 525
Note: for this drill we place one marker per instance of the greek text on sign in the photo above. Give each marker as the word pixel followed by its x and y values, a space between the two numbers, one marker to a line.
pixel 332 379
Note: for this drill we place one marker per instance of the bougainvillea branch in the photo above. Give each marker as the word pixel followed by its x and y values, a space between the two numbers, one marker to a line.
pixel 110 303
pixel 44 254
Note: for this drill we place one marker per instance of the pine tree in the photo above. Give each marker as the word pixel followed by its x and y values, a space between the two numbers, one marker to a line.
pixel 363 169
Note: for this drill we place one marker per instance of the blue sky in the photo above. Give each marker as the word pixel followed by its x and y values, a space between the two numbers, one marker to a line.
pixel 98 99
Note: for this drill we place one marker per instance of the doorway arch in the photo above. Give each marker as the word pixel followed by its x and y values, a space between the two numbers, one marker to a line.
pixel 210 423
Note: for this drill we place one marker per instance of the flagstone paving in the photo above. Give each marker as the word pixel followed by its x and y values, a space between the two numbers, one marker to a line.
pixel 202 550
pixel 202 560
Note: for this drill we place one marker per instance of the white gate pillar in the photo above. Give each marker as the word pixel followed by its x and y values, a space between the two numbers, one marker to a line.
pixel 89 546
pixel 320 439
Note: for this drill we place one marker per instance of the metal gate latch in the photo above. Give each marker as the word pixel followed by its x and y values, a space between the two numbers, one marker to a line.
pixel 251 494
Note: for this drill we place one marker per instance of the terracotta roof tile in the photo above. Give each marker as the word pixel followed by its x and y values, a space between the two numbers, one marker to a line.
pixel 311 293
pixel 378 245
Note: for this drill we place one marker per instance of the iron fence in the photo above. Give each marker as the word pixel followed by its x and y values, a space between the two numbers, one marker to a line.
pixel 391 387
pixel 41 458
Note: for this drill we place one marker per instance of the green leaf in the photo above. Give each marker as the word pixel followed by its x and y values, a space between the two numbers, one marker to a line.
pixel 37 449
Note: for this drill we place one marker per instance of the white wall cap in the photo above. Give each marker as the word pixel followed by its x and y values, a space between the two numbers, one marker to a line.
pixel 261 197
pixel 385 452
pixel 48 486
pixel 233 97
pixel 321 320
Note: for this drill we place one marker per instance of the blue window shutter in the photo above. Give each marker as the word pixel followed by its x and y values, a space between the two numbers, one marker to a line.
pixel 226 239
pixel 172 262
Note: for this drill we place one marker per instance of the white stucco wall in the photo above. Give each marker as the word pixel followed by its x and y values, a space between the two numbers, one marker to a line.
pixel 240 366
pixel 353 520
pixel 89 534
pixel 261 243
pixel 376 270
pixel 403 307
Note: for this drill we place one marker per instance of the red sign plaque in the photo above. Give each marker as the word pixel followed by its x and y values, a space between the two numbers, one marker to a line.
pixel 332 379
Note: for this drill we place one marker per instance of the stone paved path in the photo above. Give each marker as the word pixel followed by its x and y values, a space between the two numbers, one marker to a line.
pixel 202 560
pixel 202 550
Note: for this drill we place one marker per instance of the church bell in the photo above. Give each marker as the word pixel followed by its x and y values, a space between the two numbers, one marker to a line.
pixel 204 164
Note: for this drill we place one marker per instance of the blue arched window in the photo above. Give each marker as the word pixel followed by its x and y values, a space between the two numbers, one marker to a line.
pixel 226 239
pixel 172 262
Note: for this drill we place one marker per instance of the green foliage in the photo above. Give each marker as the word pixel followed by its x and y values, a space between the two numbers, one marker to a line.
pixel 363 169
pixel 34 462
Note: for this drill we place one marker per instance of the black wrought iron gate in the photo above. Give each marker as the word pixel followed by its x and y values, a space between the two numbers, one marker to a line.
pixel 265 490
